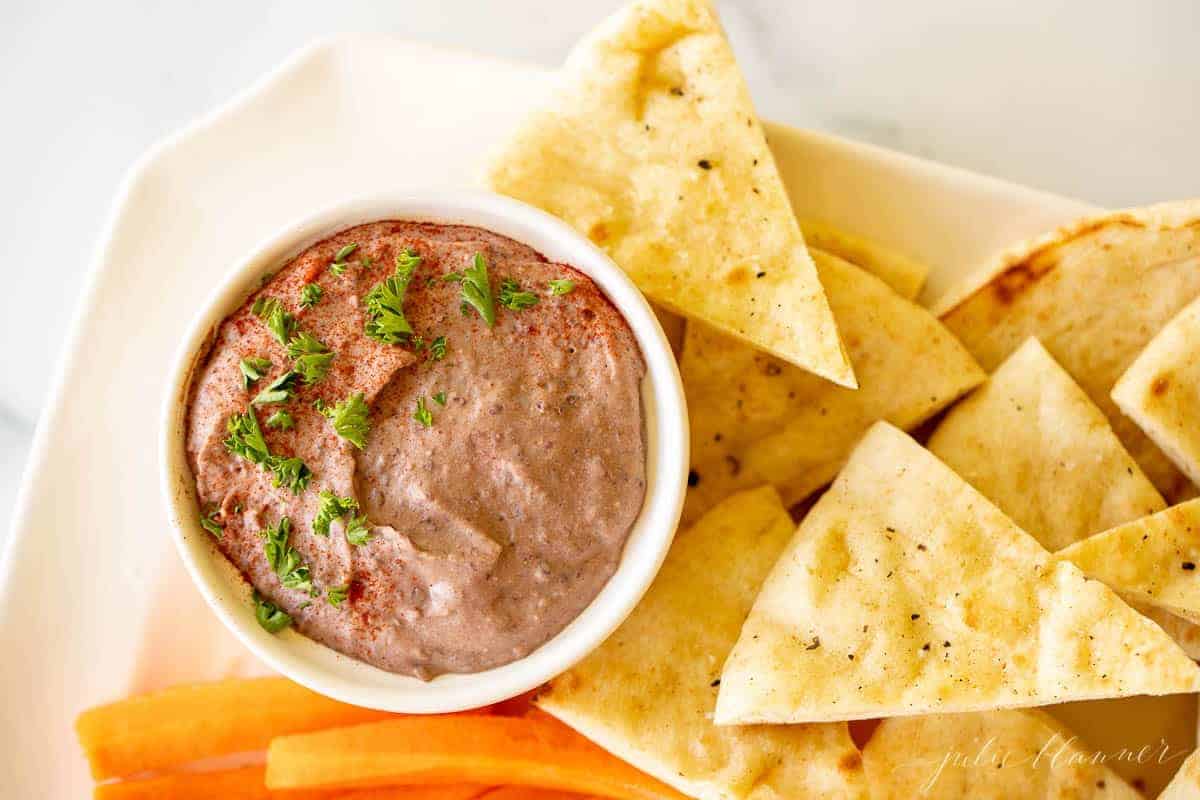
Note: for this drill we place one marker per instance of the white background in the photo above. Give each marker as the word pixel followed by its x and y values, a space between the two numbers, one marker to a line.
pixel 1098 100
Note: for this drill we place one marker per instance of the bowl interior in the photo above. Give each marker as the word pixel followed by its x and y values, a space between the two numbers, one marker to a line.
pixel 329 672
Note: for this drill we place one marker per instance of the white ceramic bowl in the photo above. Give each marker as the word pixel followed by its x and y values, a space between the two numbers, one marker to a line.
pixel 331 673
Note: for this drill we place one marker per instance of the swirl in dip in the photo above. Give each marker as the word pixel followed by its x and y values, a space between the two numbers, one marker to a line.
pixel 441 499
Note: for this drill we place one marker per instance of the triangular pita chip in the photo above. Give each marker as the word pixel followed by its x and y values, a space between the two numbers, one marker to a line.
pixel 1186 783
pixel 1094 293
pixel 904 275
pixel 647 693
pixel 906 592
pixel 1032 442
pixel 1186 634
pixel 994 754
pixel 755 419
pixel 652 149
pixel 1154 560
pixel 1161 390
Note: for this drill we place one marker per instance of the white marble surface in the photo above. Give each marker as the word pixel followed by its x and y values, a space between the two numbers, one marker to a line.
pixel 1086 98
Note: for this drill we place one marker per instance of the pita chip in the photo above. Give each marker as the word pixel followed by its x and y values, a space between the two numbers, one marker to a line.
pixel 1186 783
pixel 1094 293
pixel 905 591
pixel 904 275
pixel 652 149
pixel 1032 442
pixel 647 693
pixel 756 419
pixel 1161 390
pixel 1154 560
pixel 993 754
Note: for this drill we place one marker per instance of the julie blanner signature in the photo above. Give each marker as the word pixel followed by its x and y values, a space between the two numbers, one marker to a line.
pixel 1057 752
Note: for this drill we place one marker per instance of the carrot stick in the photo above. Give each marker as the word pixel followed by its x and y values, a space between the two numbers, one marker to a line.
pixel 537 752
pixel 446 791
pixel 243 783
pixel 525 793
pixel 169 728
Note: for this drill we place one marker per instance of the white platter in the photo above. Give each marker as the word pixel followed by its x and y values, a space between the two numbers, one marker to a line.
pixel 93 601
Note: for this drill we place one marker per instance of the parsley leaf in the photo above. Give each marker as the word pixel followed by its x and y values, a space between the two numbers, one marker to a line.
pixel 290 472
pixel 453 277
pixel 281 420
pixel 210 524
pixel 336 595
pixel 345 252
pixel 423 414
pixel 511 296
pixel 284 559
pixel 477 291
pixel 310 295
pixel 253 369
pixel 246 438
pixel 338 268
pixel 312 358
pixel 351 419
pixel 270 616
pixel 385 302
pixel 278 391
pixel 278 320
pixel 437 349
pixel 440 398
pixel 358 530
pixel 559 286
pixel 332 507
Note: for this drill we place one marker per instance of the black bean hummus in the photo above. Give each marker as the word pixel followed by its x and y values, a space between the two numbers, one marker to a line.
pixel 421 444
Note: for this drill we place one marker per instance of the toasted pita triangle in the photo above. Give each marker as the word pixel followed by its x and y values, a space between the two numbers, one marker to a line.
pixel 994 754
pixel 1032 442
pixel 903 274
pixel 651 148
pixel 647 693
pixel 1186 783
pixel 906 592
pixel 1153 560
pixel 755 419
pixel 1094 293
pixel 1161 390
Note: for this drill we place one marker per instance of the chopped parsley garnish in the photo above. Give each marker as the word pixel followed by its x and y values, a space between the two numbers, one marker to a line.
pixel 210 524
pixel 477 291
pixel 290 472
pixel 423 415
pixel 246 438
pixel 253 369
pixel 453 277
pixel 440 398
pixel 385 302
pixel 278 320
pixel 312 358
pixel 284 559
pixel 437 349
pixel 358 530
pixel 278 391
pixel 332 507
pixel 310 295
pixel 281 420
pixel 270 616
pixel 511 296
pixel 351 419
pixel 336 595
pixel 560 286
pixel 339 265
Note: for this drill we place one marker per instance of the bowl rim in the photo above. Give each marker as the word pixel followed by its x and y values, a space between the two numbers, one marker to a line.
pixel 342 677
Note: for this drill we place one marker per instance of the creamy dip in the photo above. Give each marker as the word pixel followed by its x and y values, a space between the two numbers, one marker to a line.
pixel 499 475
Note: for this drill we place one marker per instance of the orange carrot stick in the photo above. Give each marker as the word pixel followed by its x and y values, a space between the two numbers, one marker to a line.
pixel 537 752
pixel 165 729
pixel 243 783
pixel 447 791
pixel 525 793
